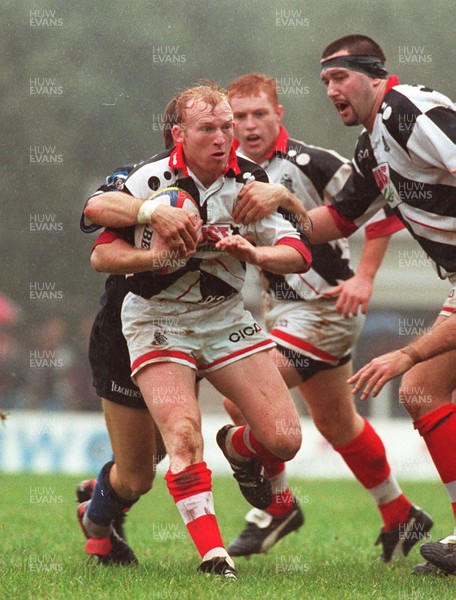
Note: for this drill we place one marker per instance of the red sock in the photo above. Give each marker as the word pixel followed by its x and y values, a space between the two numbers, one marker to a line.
pixel 438 429
pixel 282 498
pixel 246 444
pixel 366 457
pixel 191 490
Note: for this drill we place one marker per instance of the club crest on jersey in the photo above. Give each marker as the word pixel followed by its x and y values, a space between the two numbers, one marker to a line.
pixel 382 179
pixel 287 182
pixel 119 183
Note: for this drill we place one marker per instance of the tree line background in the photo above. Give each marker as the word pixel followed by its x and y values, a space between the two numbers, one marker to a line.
pixel 84 84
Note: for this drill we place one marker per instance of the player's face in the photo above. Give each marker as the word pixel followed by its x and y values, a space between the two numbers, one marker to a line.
pixel 207 136
pixel 352 93
pixel 257 125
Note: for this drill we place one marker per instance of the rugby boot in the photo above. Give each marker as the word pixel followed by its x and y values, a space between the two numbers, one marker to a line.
pixel 399 541
pixel 441 554
pixel 263 531
pixel 220 566
pixel 253 483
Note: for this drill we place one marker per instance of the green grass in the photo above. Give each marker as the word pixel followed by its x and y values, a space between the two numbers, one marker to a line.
pixel 332 557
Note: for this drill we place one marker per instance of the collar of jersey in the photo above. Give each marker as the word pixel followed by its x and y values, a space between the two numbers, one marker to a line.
pixel 281 144
pixel 391 82
pixel 177 160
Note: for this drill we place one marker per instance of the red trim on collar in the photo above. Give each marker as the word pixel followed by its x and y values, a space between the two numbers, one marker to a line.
pixel 233 161
pixel 391 82
pixel 281 144
pixel 177 160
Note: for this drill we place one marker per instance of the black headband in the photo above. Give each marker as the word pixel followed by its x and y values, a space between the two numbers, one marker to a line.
pixel 369 65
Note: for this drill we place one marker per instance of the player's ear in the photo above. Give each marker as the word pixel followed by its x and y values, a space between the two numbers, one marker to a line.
pixel 279 112
pixel 178 134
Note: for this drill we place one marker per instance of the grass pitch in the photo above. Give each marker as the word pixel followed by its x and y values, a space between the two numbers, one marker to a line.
pixel 332 557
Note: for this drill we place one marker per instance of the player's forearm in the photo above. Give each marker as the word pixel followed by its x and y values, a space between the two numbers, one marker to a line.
pixel 113 209
pixel 120 259
pixel 372 256
pixel 292 204
pixel 281 260
pixel 440 339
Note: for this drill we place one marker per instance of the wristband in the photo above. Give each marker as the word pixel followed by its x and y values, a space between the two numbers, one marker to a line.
pixel 412 353
pixel 147 209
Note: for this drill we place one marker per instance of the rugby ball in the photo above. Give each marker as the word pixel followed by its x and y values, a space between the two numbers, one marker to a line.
pixel 144 234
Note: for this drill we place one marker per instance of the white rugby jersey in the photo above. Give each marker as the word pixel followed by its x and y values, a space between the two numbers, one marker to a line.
pixel 209 276
pixel 315 175
pixel 408 157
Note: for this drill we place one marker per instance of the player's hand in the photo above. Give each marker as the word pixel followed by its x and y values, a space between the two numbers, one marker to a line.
pixel 353 294
pixel 257 200
pixel 238 247
pixel 177 227
pixel 162 255
pixel 379 371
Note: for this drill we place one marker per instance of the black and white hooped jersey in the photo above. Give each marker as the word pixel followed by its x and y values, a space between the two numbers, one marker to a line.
pixel 410 157
pixel 209 276
pixel 315 175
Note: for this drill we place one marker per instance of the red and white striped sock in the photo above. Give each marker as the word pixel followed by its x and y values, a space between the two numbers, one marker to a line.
pixel 242 444
pixel 191 490
pixel 282 498
pixel 366 457
pixel 438 429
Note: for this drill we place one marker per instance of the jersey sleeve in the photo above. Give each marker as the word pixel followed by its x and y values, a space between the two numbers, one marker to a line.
pixel 274 230
pixel 360 198
pixel 382 224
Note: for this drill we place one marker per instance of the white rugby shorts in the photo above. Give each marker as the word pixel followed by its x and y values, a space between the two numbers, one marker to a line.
pixel 205 338
pixel 314 329
pixel 449 306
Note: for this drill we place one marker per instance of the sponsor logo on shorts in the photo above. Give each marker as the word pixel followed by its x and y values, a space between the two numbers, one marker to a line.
pixel 244 333
pixel 124 391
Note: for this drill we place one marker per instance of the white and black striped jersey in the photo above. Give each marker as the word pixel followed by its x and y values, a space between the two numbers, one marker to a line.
pixel 210 275
pixel 315 175
pixel 410 157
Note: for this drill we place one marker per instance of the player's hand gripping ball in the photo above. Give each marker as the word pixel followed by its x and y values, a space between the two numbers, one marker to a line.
pixel 145 237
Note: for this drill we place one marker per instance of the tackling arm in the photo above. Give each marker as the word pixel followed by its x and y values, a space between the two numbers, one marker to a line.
pixel 118 209
pixel 112 254
pixel 356 292
pixel 382 369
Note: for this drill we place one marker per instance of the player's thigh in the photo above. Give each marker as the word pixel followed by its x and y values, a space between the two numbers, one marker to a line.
pixel 134 437
pixel 255 385
pixel 286 370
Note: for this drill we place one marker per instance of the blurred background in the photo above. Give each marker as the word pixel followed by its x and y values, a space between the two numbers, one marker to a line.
pixel 83 87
